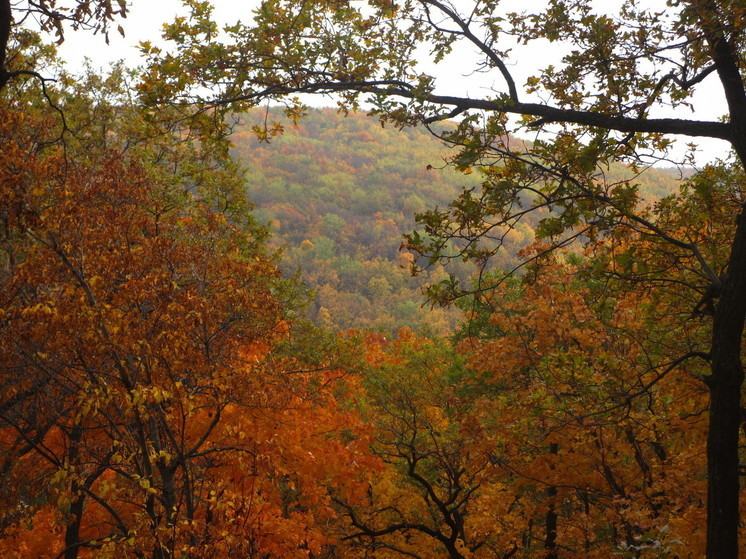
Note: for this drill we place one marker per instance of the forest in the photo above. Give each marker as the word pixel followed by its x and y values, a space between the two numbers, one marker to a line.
pixel 415 324
pixel 340 191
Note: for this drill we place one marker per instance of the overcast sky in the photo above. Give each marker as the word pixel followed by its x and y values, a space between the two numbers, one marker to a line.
pixel 146 19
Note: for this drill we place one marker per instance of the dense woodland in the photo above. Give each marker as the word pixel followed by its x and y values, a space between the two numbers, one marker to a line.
pixel 339 191
pixel 233 332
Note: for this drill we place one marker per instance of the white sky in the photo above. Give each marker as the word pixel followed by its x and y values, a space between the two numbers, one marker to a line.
pixel 144 22
pixel 147 17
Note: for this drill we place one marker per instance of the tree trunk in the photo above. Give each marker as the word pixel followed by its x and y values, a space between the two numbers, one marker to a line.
pixel 728 323
pixel 75 514
pixel 550 521
pixel 6 17
pixel 72 530
pixel 725 406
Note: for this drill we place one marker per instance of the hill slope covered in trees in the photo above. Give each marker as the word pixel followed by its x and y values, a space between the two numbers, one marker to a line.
pixel 339 192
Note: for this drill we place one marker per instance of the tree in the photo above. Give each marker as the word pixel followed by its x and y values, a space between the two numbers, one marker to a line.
pixel 93 15
pixel 573 429
pixel 594 411
pixel 149 405
pixel 598 105
pixel 438 492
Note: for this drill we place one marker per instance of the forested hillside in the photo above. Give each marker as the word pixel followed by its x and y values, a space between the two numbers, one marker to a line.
pixel 576 391
pixel 340 191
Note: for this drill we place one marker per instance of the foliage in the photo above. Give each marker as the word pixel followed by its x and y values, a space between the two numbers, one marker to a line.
pixel 339 192
pixel 592 407
pixel 147 407
pixel 438 483
pixel 160 398
pixel 595 105
pixel 575 428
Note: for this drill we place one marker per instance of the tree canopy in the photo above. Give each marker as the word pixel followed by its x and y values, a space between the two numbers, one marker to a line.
pixel 598 104
pixel 161 397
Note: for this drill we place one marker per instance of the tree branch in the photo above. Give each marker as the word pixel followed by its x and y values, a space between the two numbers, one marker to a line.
pixel 481 45
pixel 546 113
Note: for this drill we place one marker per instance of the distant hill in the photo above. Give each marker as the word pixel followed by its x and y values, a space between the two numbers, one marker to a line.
pixel 339 192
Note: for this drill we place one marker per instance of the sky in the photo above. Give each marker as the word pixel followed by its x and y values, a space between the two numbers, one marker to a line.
pixel 144 22
pixel 147 17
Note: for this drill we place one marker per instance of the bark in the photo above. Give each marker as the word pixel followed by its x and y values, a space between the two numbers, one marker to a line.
pixel 725 385
pixel 5 19
pixel 726 379
pixel 75 514
pixel 551 519
pixel 72 531
pixel 545 113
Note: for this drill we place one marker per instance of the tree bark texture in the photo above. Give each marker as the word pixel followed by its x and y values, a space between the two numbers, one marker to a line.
pixel 725 383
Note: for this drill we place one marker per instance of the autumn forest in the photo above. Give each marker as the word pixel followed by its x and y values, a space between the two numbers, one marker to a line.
pixel 493 325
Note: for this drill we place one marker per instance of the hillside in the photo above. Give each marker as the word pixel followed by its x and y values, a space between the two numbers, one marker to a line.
pixel 339 192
